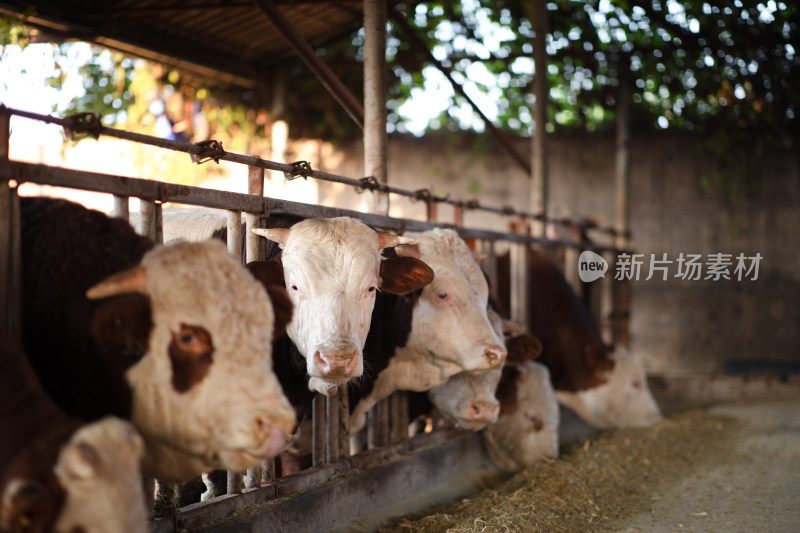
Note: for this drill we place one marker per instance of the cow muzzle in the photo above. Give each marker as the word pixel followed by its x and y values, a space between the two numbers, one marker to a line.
pixel 337 363
pixel 482 411
pixel 494 356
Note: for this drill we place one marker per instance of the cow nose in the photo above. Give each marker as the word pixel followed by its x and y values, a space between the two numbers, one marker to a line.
pixel 270 433
pixel 339 363
pixel 483 411
pixel 495 355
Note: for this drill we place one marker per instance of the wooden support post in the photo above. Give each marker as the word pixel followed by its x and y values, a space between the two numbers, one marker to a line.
pixel 375 139
pixel 318 429
pixel 539 177
pixel 235 234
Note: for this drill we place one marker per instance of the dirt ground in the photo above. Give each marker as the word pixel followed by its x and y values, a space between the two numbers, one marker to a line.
pixel 729 468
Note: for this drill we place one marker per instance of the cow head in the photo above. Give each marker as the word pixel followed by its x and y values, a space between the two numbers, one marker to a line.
pixel 98 469
pixel 623 400
pixel 89 483
pixel 332 270
pixel 467 399
pixel 204 386
pixel 527 430
pixel 450 324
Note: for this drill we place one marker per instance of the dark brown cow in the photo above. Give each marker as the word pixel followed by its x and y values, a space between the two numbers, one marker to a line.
pixel 605 389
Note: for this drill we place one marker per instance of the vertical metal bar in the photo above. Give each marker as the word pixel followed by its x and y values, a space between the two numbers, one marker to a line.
pixel 234 483
pixel 253 477
pixel 519 283
pixel 398 403
pixel 344 421
pixel 332 428
pixel 148 220
pixel 622 168
pixel 318 430
pixel 235 234
pixel 539 176
pixel 570 255
pixel 378 425
pixel 149 488
pixel 164 504
pixel 121 209
pixel 621 297
pixel 255 185
pixel 375 139
pixel 431 210
pixel 10 242
pixel 267 471
pixel 458 215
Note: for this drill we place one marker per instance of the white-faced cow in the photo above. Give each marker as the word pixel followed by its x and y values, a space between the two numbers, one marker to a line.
pixel 606 389
pixel 175 338
pixel 333 271
pixel 57 473
pixel 419 341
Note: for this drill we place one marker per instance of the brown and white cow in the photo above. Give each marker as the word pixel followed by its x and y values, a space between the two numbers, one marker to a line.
pixel 60 474
pixel 176 338
pixel 526 431
pixel 607 389
pixel 437 334
pixel 333 270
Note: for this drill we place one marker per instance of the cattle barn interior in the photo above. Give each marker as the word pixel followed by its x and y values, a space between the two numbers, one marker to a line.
pixel 726 458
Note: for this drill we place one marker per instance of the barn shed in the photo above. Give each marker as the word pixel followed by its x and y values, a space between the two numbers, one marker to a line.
pixel 719 346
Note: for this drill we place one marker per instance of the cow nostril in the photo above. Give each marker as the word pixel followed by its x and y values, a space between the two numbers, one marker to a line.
pixel 494 354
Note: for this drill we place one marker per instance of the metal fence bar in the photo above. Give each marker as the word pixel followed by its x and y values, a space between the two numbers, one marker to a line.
pixel 398 403
pixel 318 430
pixel 344 421
pixel 255 186
pixel 10 243
pixel 378 425
pixel 234 483
pixel 121 208
pixel 196 151
pixel 519 283
pixel 235 233
pixel 332 428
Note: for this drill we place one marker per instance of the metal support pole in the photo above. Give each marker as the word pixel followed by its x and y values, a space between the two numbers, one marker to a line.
pixel 267 471
pixel 151 220
pixel 234 483
pixel 519 283
pixel 255 186
pixel 539 167
pixel 10 242
pixel 375 139
pixel 378 425
pixel 622 169
pixel 332 428
pixel 344 421
pixel 398 405
pixel 121 209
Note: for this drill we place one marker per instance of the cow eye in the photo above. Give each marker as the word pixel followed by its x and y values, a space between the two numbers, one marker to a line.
pixel 186 338
pixel 371 289
pixel 441 295
pixel 294 287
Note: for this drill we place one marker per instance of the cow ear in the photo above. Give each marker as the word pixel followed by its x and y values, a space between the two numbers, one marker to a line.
pixel 122 325
pixel 282 308
pixel 523 348
pixel 279 235
pixel 267 272
pixel 408 250
pixel 22 504
pixel 402 275
pixel 77 461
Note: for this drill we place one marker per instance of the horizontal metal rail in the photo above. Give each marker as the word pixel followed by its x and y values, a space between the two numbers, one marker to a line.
pixel 89 124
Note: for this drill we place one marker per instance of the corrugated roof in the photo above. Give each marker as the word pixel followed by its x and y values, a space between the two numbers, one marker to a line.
pixel 230 42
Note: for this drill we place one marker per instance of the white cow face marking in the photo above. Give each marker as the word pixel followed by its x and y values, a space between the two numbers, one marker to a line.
pixel 204 389
pixel 98 469
pixel 624 400
pixel 527 430
pixel 450 324
pixel 332 269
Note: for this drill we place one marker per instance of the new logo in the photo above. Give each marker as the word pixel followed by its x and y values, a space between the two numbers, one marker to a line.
pixel 591 266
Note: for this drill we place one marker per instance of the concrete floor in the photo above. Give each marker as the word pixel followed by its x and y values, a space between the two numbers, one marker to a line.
pixel 752 485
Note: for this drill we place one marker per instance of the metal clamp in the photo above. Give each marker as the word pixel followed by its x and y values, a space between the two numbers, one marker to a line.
pixel 369 183
pixel 423 194
pixel 210 150
pixel 300 169
pixel 82 125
